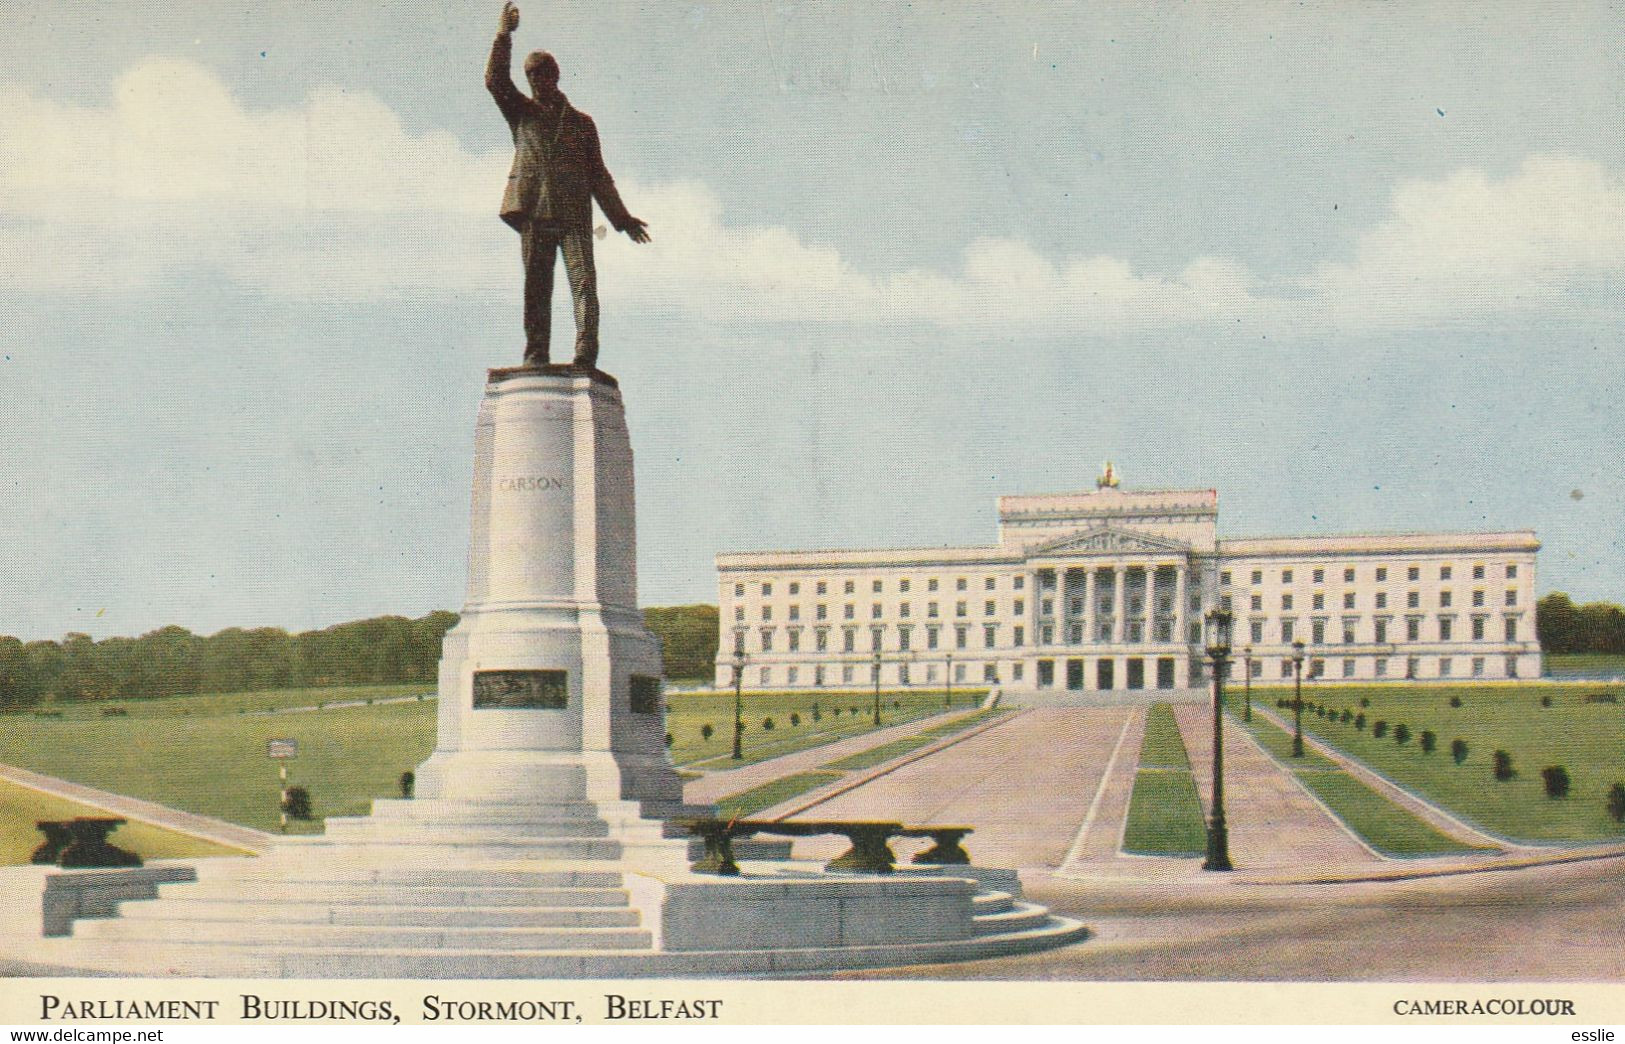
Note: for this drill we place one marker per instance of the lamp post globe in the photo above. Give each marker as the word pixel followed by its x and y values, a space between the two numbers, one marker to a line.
pixel 1218 650
pixel 1297 699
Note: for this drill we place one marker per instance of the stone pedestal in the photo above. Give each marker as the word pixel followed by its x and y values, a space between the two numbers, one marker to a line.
pixel 550 683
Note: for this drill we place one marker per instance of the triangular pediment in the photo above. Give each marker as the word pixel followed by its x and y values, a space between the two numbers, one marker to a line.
pixel 1108 540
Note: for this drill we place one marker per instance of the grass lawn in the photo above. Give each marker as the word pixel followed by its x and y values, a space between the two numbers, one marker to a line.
pixel 749 802
pixel 1588 739
pixel 217 766
pixel 1385 826
pixel 1163 747
pixel 1164 812
pixel 816 721
pixel 21 808
pixel 210 704
pixel 896 748
pixel 1585 665
pixel 1165 815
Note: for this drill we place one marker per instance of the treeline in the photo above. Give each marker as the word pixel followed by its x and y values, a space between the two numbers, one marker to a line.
pixel 384 650
pixel 1596 627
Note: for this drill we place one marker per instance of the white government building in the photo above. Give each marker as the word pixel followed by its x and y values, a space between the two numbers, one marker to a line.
pixel 1106 590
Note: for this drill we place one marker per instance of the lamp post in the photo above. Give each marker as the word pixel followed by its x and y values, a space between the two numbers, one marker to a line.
pixel 1247 682
pixel 948 698
pixel 877 688
pixel 1218 650
pixel 1297 699
pixel 739 702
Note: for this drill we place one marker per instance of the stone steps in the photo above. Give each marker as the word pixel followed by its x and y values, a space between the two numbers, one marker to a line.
pixel 991 902
pixel 407 831
pixel 1019 917
pixel 209 934
pixel 186 910
pixel 360 894
pixel 272 870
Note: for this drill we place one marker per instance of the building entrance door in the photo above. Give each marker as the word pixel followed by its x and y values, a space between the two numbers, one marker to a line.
pixel 1074 674
pixel 1136 673
pixel 1165 673
pixel 1103 675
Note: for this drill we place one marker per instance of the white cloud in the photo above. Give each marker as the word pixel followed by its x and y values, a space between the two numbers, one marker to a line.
pixel 175 179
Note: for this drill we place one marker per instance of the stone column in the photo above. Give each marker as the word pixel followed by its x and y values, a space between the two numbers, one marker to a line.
pixel 1181 599
pixel 1090 582
pixel 1119 605
pixel 1149 633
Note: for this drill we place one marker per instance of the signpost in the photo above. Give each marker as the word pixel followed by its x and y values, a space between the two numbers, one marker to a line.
pixel 282 751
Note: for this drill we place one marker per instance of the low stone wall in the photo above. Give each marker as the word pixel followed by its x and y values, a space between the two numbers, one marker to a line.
pixel 75 894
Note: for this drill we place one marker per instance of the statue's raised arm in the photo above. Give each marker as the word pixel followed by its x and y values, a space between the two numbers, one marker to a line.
pixel 558 171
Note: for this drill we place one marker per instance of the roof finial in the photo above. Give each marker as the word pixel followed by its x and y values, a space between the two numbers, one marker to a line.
pixel 1108 479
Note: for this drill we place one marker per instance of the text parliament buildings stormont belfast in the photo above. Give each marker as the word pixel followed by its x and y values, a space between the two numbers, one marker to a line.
pixel 1106 590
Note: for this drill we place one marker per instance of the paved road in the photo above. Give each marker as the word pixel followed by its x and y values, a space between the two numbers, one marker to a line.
pixel 1543 924
pixel 1273 821
pixel 1025 786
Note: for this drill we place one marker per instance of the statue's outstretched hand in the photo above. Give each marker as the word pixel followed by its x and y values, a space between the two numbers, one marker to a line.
pixel 637 230
pixel 510 18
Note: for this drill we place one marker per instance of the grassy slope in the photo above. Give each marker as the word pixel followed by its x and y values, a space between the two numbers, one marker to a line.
pixel 1588 739
pixel 749 802
pixel 1164 812
pixel 21 808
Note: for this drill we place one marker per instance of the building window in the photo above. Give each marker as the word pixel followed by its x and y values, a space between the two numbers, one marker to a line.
pixel 1318 576
pixel 990 673
pixel 990 607
pixel 1512 571
pixel 739 590
pixel 1286 632
pixel 1444 628
pixel 1512 667
pixel 1021 636
pixel 903 639
pixel 902 673
pixel 961 609
pixel 1512 596
pixel 1478 628
pixel 1020 584
pixel 879 586
pixel 765 676
pixel 1020 607
pixel 1478 666
pixel 1074 634
pixel 960 637
pixel 902 586
pixel 849 642
pixel 1382 574
pixel 931 610
pixel 1382 631
pixel 1257 603
pixel 847 674
pixel 1015 671
pixel 1444 599
pixel 1478 572
pixel 849 612
pixel 903 610
pixel 931 584
pixel 1413 599
pixel 1318 602
pixel 767 590
pixel 1478 599
pixel 790 676
pixel 767 639
pixel 1444 666
pixel 795 612
pixel 821 640
pixel 874 611
pixel 1382 668
pixel 1286 603
pixel 795 589
pixel 1414 573
pixel 1382 599
pixel 1317 632
pixel 1224 578
pixel 1258 576
pixel 989 584
pixel 818 676
pixel 1224 603
pixel 1512 630
pixel 1348 668
pixel 1348 576
pixel 739 612
pixel 959 672
pixel 990 636
pixel 1413 630
pixel 1286 576
pixel 1047 607
pixel 823 588
pixel 1348 632
pixel 1317 669
pixel 1046 635
pixel 1412 665
pixel 1258 630
pixel 1444 572
pixel 930 637
pixel 767 612
pixel 960 584
pixel 1255 668
pixel 1286 668
pixel 1348 600
pixel 850 587
pixel 795 639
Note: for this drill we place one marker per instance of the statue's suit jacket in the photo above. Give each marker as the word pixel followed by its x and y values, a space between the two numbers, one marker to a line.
pixel 558 167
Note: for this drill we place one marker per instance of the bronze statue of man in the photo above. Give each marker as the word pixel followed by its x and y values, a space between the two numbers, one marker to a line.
pixel 558 170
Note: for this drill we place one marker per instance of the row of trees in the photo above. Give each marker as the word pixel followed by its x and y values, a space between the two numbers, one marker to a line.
pixel 1596 627
pixel 383 650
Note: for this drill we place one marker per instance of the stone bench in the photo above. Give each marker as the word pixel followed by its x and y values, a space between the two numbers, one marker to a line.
pixel 81 844
pixel 870 851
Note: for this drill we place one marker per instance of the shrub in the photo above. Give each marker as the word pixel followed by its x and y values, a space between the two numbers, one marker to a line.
pixel 1402 734
pixel 408 784
pixel 1429 741
pixel 795 720
pixel 1359 722
pixel 851 710
pixel 1503 767
pixel 296 803
pixel 1365 701
pixel 1458 750
pixel 1282 704
pixel 706 732
pixel 767 724
pixel 668 741
pixel 1616 802
pixel 817 715
pixel 1455 701
pixel 1347 716
pixel 1379 729
pixel 1555 778
pixel 115 712
pixel 837 712
pixel 1545 701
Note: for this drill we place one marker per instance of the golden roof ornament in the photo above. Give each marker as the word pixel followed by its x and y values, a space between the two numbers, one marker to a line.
pixel 1108 478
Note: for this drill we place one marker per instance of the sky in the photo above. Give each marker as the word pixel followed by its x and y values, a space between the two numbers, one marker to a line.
pixel 1356 266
